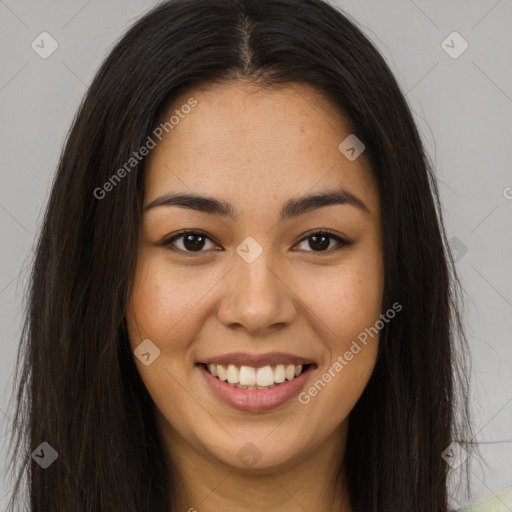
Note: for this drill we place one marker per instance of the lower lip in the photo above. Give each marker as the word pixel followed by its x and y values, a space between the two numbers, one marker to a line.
pixel 256 400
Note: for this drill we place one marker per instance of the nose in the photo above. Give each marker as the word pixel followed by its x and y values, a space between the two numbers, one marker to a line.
pixel 257 298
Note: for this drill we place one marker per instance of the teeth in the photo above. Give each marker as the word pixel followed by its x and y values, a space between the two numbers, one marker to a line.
pixel 265 376
pixel 280 374
pixel 247 377
pixel 233 374
pixel 289 371
pixel 221 371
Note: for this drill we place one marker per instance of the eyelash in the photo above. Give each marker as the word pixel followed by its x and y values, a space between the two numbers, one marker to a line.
pixel 169 241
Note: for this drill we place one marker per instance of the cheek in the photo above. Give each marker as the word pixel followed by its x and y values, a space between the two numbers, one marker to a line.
pixel 166 302
pixel 344 300
pixel 347 316
pixel 161 308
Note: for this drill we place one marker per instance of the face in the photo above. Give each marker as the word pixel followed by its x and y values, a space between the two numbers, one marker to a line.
pixel 267 289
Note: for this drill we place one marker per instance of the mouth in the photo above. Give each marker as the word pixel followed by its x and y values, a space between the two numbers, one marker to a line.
pixel 251 378
pixel 256 383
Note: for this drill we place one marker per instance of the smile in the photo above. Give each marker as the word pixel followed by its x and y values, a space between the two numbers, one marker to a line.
pixel 255 383
pixel 249 377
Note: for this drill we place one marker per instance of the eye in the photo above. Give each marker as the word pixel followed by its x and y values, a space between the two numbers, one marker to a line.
pixel 191 241
pixel 319 241
pixel 188 241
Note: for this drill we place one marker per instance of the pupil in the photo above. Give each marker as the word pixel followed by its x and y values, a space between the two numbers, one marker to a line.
pixel 190 244
pixel 320 245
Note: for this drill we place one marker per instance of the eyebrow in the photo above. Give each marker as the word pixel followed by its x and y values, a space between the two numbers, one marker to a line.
pixel 292 208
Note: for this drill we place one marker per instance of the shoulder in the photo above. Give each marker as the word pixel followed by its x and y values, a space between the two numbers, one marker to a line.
pixel 500 501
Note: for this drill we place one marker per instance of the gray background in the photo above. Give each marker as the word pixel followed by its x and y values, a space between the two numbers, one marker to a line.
pixel 463 107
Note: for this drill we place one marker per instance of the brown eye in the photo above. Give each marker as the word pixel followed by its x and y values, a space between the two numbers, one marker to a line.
pixel 195 241
pixel 189 241
pixel 321 240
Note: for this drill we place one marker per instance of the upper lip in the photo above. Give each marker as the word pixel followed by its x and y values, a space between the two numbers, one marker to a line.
pixel 257 360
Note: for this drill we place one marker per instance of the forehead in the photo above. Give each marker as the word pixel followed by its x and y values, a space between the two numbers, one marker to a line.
pixel 241 140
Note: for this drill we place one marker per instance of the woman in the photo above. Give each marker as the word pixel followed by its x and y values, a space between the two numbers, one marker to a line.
pixel 242 296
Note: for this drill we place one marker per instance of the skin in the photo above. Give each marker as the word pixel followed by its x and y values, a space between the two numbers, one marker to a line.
pixel 256 149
